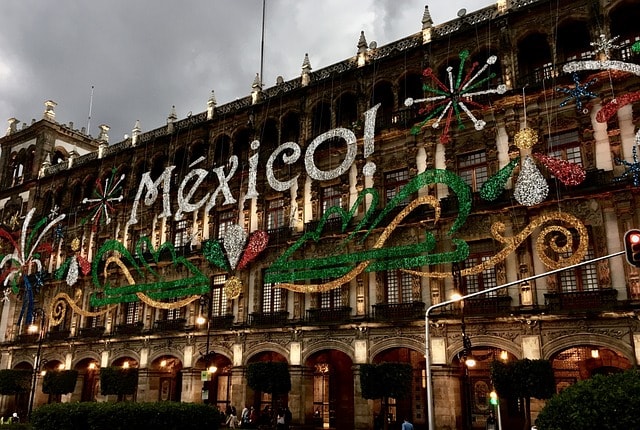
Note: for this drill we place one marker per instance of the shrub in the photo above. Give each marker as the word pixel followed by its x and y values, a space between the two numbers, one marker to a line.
pixel 124 416
pixel 59 381
pixel 602 402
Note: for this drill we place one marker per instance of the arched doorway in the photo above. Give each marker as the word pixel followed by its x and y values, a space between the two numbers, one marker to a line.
pixel 474 371
pixel 127 362
pixel 412 406
pixel 332 375
pixel 88 377
pixel 165 378
pixel 582 362
pixel 266 403
pixel 215 374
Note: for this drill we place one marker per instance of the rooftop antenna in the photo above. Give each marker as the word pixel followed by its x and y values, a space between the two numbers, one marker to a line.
pixel 90 107
pixel 264 3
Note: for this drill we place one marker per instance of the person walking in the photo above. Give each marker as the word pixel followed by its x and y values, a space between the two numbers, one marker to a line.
pixel 406 425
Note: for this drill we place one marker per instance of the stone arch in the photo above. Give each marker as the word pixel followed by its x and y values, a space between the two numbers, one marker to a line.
pixel 454 348
pixel 91 355
pixel 164 353
pixel 265 347
pixel 395 342
pixel 328 344
pixel 553 347
pixel 125 353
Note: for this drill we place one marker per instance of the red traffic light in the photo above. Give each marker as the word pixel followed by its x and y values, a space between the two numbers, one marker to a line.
pixel 632 247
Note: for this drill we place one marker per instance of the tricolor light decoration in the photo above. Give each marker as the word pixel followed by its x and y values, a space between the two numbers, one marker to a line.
pixel 235 252
pixel 531 187
pixel 453 99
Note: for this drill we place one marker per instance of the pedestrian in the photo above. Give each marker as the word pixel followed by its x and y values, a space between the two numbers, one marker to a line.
pixel 232 419
pixel 406 425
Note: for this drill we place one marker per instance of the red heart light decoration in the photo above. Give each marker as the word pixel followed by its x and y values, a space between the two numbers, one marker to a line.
pixel 258 241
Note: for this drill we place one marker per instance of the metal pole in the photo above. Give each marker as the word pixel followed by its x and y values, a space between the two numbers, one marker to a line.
pixel 36 362
pixel 427 355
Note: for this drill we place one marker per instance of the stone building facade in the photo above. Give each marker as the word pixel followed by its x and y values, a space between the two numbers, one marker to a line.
pixel 315 221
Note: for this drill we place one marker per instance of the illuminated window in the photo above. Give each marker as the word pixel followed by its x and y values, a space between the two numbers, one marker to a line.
pixel 566 146
pixel 133 312
pixel 472 168
pixel 225 219
pixel 399 287
pixel 273 299
pixel 394 182
pixel 181 237
pixel 331 196
pixel 275 214
pixel 218 296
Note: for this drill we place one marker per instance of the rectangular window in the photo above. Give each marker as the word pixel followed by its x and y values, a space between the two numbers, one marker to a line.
pixel 394 182
pixel 566 146
pixel 133 312
pixel 472 168
pixel 218 296
pixel 181 234
pixel 331 196
pixel 225 219
pixel 399 287
pixel 272 298
pixel 275 214
pixel 583 278
pixel 480 281
pixel 331 299
pixel 173 313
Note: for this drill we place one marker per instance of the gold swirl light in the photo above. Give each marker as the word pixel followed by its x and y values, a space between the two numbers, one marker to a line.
pixel 319 288
pixel 58 308
pixel 511 243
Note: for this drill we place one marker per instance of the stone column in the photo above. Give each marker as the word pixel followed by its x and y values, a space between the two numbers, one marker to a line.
pixel 296 395
pixel 362 412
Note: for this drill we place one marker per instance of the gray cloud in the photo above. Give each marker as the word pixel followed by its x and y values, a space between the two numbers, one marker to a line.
pixel 144 56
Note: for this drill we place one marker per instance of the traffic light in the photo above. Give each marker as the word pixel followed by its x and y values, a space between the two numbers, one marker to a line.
pixel 493 398
pixel 632 247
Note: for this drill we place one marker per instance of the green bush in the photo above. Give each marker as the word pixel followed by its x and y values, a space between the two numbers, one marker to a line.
pixel 14 381
pixel 382 380
pixel 125 416
pixel 59 381
pixel 116 380
pixel 602 402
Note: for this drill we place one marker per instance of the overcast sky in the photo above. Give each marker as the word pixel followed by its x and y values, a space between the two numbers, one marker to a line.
pixel 144 56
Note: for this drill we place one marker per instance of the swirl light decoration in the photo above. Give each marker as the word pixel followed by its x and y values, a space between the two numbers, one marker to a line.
pixel 547 240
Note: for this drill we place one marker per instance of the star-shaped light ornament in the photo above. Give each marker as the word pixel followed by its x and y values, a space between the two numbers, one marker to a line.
pixel 578 93
pixel 101 206
pixel 453 99
pixel 603 46
pixel 632 170
pixel 531 187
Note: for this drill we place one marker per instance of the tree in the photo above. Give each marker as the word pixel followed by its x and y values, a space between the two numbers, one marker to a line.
pixel 270 377
pixel 522 380
pixel 602 402
pixel 119 381
pixel 384 380
pixel 57 382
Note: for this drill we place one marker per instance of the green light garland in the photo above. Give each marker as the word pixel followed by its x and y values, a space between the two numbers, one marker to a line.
pixel 494 186
pixel 161 289
pixel 286 270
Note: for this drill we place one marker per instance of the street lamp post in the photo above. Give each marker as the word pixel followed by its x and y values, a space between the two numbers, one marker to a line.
pixel 427 355
pixel 33 328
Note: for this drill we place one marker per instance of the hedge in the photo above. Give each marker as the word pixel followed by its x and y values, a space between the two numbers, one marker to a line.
pixel 125 416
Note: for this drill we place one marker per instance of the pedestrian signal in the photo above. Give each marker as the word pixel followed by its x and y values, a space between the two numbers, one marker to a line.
pixel 632 247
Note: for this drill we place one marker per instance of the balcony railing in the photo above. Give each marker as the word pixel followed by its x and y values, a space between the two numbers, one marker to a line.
pixel 328 316
pixel 27 338
pixel 91 332
pixel 58 335
pixel 221 322
pixel 268 318
pixel 129 329
pixel 177 324
pixel 398 311
pixel 604 299
pixel 487 305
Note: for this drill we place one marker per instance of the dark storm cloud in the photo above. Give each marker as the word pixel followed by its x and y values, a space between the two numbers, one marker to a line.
pixel 144 56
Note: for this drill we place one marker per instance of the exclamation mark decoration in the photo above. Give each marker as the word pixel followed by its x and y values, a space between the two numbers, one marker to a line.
pixel 369 144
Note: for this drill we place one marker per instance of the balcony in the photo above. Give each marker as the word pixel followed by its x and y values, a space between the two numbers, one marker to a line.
pixel 129 329
pixel 172 325
pixel 398 311
pixel 27 338
pixel 221 322
pixel 328 316
pixel 270 319
pixel 91 332
pixel 487 306
pixel 58 335
pixel 595 300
